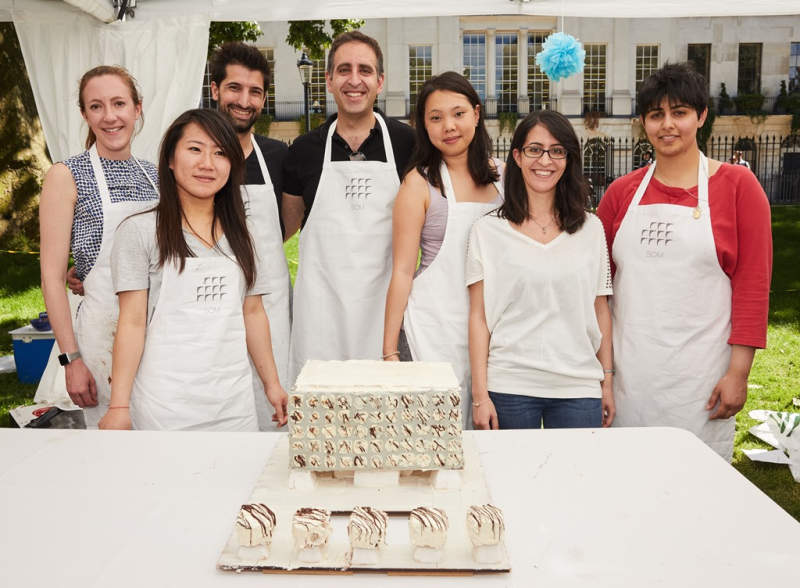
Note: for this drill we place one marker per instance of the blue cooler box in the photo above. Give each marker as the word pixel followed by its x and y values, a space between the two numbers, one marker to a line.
pixel 31 352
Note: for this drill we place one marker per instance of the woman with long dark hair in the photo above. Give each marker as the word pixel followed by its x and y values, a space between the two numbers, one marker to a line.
pixel 189 294
pixel 452 182
pixel 84 198
pixel 538 276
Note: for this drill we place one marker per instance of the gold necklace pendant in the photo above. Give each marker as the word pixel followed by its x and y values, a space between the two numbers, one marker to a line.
pixel 696 212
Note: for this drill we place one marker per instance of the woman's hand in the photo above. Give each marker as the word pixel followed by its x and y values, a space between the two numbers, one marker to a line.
pixel 80 384
pixel 279 400
pixel 608 407
pixel 116 419
pixel 484 416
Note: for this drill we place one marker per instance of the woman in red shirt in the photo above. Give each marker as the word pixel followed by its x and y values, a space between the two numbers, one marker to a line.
pixel 691 247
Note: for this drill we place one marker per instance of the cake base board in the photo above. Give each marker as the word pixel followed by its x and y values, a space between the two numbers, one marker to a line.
pixel 340 496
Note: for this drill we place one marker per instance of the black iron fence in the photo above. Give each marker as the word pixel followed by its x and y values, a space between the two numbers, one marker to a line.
pixel 774 160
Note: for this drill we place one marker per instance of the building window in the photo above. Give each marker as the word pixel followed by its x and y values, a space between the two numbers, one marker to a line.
pixel 699 55
pixel 316 89
pixel 749 68
pixel 646 63
pixel 269 103
pixel 538 83
pixel 794 67
pixel 506 72
pixel 475 62
pixel 594 78
pixel 419 70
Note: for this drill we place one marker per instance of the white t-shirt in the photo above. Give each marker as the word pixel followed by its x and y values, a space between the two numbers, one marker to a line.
pixel 539 305
pixel 134 258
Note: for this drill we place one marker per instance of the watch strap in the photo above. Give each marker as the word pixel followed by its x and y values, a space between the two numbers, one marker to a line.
pixel 67 358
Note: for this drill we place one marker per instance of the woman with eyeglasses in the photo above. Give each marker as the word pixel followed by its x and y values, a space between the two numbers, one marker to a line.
pixel 538 276
pixel 452 182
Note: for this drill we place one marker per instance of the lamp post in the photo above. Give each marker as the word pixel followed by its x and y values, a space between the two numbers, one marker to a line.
pixel 305 66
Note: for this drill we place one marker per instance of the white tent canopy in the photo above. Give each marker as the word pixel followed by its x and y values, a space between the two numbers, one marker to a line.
pixel 276 10
pixel 164 44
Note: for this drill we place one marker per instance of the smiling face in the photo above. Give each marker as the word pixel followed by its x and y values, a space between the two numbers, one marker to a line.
pixel 354 80
pixel 111 113
pixel 540 175
pixel 240 96
pixel 672 128
pixel 200 167
pixel 450 122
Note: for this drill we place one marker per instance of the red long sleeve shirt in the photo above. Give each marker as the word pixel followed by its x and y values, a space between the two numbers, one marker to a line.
pixel 740 223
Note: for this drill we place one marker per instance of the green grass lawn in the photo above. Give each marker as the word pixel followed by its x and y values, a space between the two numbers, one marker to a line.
pixel 774 381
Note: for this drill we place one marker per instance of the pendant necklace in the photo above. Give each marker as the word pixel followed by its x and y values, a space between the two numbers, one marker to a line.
pixel 545 226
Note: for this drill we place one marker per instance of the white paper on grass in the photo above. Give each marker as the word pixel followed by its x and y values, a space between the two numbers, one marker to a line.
pixel 787 446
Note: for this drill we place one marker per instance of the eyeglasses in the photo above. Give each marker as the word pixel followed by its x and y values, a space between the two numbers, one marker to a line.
pixel 536 151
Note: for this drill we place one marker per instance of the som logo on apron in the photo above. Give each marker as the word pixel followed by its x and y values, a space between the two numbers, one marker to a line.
pixel 357 191
pixel 211 291
pixel 655 236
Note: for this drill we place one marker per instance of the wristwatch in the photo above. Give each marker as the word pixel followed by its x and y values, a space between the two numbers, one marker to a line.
pixel 68 358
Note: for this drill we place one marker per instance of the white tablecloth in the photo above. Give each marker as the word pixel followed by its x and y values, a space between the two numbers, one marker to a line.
pixel 617 508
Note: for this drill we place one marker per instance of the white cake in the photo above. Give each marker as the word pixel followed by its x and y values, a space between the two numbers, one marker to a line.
pixel 254 527
pixel 427 530
pixel 486 527
pixel 311 529
pixel 367 533
pixel 375 416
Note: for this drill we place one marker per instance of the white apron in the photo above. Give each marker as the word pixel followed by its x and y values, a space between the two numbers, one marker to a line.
pixel 96 320
pixel 194 372
pixel 265 228
pixel 436 319
pixel 671 314
pixel 345 260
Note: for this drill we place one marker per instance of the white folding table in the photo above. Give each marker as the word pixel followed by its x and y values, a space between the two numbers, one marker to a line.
pixel 616 508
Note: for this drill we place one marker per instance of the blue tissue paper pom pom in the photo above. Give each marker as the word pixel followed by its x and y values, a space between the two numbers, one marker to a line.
pixel 561 56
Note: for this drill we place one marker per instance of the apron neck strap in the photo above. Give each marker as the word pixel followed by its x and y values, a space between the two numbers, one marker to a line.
pixel 100 176
pixel 702 182
pixel 387 141
pixel 260 156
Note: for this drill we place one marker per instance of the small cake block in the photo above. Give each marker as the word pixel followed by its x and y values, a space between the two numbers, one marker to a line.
pixel 427 529
pixel 446 479
pixel 427 555
pixel 487 554
pixel 254 527
pixel 374 416
pixel 367 532
pixel 254 553
pixel 364 557
pixel 376 479
pixel 303 480
pixel 485 525
pixel 311 528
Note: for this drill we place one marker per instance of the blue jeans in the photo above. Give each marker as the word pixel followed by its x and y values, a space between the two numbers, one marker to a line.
pixel 515 411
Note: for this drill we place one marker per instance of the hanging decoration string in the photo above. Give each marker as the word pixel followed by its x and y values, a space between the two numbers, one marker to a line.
pixel 562 55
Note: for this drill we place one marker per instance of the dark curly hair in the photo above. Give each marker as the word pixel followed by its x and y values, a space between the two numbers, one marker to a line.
pixel 678 82
pixel 426 158
pixel 572 190
pixel 237 53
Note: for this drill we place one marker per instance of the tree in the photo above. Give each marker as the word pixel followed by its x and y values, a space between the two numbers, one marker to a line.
pixel 23 153
pixel 222 32
pixel 312 36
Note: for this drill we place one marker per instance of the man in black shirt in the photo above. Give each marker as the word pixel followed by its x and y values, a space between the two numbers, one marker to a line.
pixel 340 182
pixel 239 79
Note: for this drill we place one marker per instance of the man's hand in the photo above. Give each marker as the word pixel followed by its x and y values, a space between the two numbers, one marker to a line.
pixel 73 283
pixel 80 384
